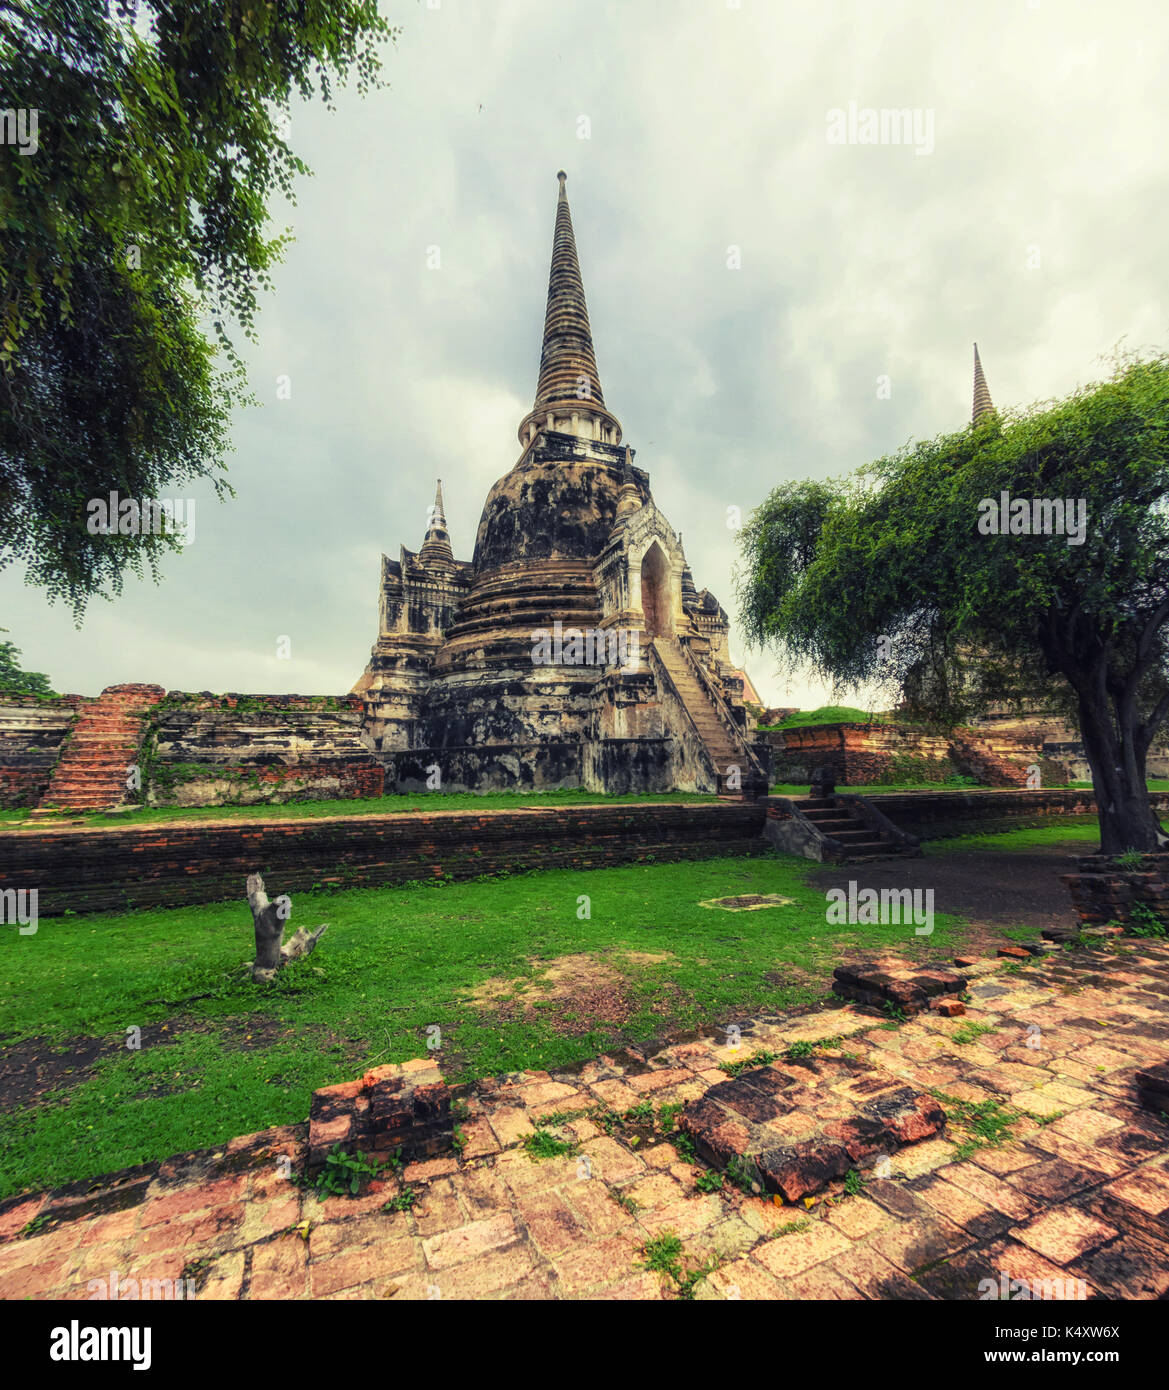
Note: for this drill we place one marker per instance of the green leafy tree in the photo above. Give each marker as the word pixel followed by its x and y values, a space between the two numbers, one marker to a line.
pixel 136 237
pixel 13 680
pixel 894 578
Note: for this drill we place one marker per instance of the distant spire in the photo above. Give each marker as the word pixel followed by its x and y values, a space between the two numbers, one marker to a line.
pixel 983 405
pixel 569 380
pixel 437 545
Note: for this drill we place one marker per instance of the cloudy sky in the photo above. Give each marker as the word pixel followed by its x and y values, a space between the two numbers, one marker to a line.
pixel 1030 216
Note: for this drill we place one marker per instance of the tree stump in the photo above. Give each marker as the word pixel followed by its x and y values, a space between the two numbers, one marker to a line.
pixel 272 952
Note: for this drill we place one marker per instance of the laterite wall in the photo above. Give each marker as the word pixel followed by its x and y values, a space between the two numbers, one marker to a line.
pixel 140 866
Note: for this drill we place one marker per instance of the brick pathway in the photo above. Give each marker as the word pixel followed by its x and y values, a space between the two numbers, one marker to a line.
pixel 1079 1192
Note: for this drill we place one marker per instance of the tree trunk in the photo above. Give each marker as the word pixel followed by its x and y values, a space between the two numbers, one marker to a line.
pixel 1122 796
pixel 272 951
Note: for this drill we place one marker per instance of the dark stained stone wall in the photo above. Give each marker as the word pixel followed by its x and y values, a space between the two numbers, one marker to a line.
pixel 84 870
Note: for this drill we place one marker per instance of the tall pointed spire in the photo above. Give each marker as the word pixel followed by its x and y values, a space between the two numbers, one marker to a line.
pixel 983 405
pixel 569 383
pixel 437 545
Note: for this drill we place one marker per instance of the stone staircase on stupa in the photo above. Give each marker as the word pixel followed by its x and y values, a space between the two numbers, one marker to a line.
pixel 725 748
pixel 91 773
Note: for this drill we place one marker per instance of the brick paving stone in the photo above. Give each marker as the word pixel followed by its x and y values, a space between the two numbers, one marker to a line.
pixel 481 1138
pixel 1055 1180
pixel 612 1162
pixel 683 1217
pixel 359 1266
pixel 429 1168
pixel 911 1245
pixel 510 1124
pixel 618 1095
pixel 784 1256
pixel 995 1192
pixel 545 1092
pixel 522 1173
pixel 483 1192
pixel 966 1211
pixel 741 1280
pixel 1091 1156
pixel 1131 1267
pixel 822 1282
pixel 592 1202
pixel 875 1277
pixel 551 1223
pixel 1084 1197
pixel 1086 1125
pixel 1009 1159
pixel 437 1209
pixel 1023 1262
pixel 1147 1189
pixel 585 1268
pixel 224 1279
pixel 1064 1234
pixel 646 1286
pixel 657 1189
pixel 453 1247
pixel 486 1276
pixel 280 1269
pixel 857 1217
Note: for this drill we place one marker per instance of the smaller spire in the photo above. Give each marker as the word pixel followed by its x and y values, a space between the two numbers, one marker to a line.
pixel 983 405
pixel 629 498
pixel 436 548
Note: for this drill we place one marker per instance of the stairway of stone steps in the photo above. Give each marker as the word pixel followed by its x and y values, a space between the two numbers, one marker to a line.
pixel 91 772
pixel 839 824
pixel 711 731
pixel 1001 762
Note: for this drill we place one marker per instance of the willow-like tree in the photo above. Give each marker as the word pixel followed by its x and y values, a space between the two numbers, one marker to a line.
pixel 896 579
pixel 143 140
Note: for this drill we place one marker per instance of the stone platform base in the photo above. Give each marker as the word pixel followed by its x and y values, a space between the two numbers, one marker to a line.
pixel 900 985
pixel 791 1127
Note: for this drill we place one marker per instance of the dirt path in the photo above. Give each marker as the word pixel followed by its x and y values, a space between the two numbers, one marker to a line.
pixel 992 889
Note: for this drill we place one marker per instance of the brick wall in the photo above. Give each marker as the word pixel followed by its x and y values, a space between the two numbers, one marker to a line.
pixel 861 754
pixel 31 735
pixel 140 866
pixel 935 815
pixel 214 750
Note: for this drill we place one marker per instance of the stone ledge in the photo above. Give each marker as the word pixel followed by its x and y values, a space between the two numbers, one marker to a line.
pixel 898 983
pixel 404 1107
pixel 792 1138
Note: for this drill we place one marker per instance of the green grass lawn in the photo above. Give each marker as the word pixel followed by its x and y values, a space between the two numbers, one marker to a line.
pixel 874 789
pixel 828 714
pixel 1083 829
pixel 236 1057
pixel 370 806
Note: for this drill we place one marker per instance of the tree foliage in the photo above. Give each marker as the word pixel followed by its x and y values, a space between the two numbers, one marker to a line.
pixel 887 579
pixel 14 680
pixel 136 239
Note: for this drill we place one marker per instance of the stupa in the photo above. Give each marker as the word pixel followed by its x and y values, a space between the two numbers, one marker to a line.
pixel 573 649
